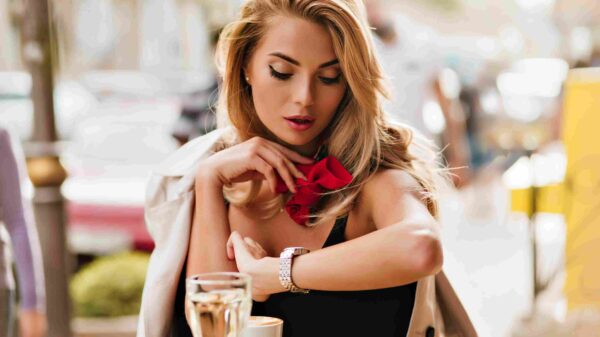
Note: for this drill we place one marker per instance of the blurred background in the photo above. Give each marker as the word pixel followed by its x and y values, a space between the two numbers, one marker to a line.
pixel 510 89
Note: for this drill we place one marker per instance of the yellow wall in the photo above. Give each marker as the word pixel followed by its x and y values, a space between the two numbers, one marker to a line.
pixel 581 135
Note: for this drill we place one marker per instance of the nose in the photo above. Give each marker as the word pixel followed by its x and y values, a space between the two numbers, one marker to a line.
pixel 303 92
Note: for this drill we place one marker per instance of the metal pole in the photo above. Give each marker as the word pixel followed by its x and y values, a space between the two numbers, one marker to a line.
pixel 533 235
pixel 44 168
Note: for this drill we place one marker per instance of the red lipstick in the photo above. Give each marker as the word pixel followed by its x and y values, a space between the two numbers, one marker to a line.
pixel 300 122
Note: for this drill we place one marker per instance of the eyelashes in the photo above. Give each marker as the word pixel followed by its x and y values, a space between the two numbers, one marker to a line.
pixel 330 80
pixel 283 76
pixel 278 75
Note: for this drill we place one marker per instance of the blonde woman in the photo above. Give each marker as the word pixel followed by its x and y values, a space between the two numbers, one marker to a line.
pixel 309 160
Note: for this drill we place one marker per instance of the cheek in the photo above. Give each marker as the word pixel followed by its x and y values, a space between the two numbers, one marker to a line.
pixel 329 99
pixel 269 98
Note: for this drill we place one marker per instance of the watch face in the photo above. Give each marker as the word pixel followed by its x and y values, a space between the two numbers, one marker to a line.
pixel 289 251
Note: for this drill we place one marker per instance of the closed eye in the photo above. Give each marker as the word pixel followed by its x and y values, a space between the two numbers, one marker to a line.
pixel 278 75
pixel 330 80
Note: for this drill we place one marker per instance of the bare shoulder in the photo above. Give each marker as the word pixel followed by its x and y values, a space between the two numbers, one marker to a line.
pixel 391 196
pixel 390 181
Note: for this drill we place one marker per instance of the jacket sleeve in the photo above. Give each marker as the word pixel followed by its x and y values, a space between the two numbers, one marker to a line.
pixel 168 216
pixel 18 218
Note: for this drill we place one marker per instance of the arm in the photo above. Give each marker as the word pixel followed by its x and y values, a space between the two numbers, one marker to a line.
pixel 22 234
pixel 254 159
pixel 403 248
pixel 210 229
pixel 209 232
pixel 19 222
pixel 455 135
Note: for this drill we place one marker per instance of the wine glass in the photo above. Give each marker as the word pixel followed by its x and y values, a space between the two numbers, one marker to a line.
pixel 219 303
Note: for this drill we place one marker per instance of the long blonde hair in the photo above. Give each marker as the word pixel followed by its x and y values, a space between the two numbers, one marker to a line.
pixel 375 145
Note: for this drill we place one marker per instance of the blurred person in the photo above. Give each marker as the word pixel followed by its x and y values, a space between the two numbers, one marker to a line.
pixel 595 58
pixel 16 218
pixel 412 62
pixel 198 116
pixel 308 160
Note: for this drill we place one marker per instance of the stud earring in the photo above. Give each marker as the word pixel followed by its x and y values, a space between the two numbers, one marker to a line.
pixel 247 79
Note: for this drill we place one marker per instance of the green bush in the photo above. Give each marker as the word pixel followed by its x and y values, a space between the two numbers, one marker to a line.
pixel 110 286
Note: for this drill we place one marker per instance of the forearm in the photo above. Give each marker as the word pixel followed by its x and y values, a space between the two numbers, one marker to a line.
pixel 29 269
pixel 392 256
pixel 210 231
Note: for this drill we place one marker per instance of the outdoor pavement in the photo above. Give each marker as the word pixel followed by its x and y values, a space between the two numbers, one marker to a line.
pixel 488 256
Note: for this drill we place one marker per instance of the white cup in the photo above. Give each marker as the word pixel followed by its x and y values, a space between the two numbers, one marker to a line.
pixel 263 326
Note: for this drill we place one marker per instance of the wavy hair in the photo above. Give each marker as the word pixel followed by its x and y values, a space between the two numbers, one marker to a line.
pixel 377 144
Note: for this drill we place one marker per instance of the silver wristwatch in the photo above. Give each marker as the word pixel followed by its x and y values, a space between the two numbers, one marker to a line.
pixel 285 268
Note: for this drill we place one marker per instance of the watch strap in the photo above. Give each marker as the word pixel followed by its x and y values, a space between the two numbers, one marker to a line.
pixel 286 259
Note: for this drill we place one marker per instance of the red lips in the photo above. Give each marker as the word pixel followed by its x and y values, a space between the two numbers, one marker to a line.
pixel 300 122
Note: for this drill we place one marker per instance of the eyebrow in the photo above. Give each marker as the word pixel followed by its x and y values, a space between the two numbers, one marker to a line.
pixel 292 61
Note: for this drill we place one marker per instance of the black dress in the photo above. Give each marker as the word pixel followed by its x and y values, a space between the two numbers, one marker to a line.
pixel 378 313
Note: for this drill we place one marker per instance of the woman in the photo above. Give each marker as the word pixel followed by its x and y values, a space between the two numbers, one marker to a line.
pixel 16 217
pixel 301 84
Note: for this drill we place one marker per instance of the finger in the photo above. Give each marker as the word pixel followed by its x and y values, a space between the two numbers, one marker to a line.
pixel 295 171
pixel 260 248
pixel 290 165
pixel 230 251
pixel 292 155
pixel 255 247
pixel 267 171
pixel 252 247
pixel 288 162
pixel 240 247
pixel 250 242
pixel 276 160
pixel 236 239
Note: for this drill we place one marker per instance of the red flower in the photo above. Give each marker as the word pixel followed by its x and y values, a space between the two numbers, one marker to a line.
pixel 325 175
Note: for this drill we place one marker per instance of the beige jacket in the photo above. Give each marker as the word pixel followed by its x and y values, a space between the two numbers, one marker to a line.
pixel 168 213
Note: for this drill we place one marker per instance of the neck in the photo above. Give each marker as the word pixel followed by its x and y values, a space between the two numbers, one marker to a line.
pixel 308 150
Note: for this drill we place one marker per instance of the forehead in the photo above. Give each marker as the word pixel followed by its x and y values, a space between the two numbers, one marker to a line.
pixel 303 40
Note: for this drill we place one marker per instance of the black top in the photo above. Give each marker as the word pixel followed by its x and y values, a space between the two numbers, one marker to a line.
pixel 381 312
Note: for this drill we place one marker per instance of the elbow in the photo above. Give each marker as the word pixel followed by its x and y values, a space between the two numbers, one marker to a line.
pixel 429 256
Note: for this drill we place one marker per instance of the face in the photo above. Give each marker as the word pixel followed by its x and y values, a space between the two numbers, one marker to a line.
pixel 296 81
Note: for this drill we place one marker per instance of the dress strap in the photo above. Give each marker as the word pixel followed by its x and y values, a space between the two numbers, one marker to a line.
pixel 337 234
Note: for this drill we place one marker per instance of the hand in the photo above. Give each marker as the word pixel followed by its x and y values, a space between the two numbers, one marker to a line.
pixel 256 158
pixel 32 323
pixel 252 259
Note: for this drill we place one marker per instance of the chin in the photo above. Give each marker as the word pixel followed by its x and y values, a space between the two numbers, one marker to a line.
pixel 295 139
